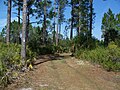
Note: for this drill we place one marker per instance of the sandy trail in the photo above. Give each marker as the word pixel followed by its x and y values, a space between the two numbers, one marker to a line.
pixel 66 73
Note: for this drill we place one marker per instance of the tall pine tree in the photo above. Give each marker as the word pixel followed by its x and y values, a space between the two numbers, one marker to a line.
pixel 8 21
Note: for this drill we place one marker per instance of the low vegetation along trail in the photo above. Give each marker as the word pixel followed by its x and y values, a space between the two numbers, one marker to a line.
pixel 63 72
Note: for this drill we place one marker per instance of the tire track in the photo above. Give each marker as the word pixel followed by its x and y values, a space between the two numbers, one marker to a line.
pixel 84 76
pixel 91 80
pixel 81 78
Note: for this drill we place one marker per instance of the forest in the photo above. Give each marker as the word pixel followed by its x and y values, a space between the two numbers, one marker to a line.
pixel 41 28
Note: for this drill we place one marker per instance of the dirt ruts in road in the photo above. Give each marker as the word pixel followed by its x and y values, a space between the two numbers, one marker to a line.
pixel 66 73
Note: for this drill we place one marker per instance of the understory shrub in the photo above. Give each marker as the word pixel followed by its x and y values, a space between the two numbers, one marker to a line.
pixel 10 61
pixel 108 58
pixel 41 50
pixel 49 49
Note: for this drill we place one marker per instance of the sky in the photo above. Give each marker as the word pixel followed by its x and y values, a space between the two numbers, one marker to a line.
pixel 100 7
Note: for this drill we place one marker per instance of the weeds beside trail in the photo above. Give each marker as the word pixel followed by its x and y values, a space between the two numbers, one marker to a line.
pixel 66 73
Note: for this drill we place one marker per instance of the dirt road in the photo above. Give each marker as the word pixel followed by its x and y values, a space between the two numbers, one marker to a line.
pixel 66 73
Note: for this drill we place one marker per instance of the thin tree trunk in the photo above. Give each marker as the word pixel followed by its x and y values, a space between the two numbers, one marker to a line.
pixel 18 22
pixel 54 21
pixel 8 21
pixel 78 31
pixel 71 32
pixel 79 27
pixel 59 32
pixel 79 16
pixel 44 24
pixel 23 48
pixel 57 28
pixel 28 23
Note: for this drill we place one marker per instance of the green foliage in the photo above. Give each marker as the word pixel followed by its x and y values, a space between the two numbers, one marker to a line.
pixel 46 50
pixel 110 27
pixel 10 61
pixel 61 5
pixel 80 41
pixel 117 41
pixel 2 35
pixel 83 42
pixel 118 21
pixel 36 44
pixel 64 45
pixel 14 32
pixel 112 45
pixel 108 58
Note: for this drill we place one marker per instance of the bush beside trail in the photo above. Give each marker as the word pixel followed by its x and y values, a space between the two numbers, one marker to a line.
pixel 10 62
pixel 108 58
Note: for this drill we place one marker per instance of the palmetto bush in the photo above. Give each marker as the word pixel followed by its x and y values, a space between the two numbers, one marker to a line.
pixel 108 58
pixel 10 61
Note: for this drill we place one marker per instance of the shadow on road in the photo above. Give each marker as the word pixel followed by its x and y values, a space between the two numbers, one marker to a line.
pixel 50 57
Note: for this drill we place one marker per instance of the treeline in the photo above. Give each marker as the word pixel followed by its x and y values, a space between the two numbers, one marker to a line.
pixel 107 51
pixel 49 15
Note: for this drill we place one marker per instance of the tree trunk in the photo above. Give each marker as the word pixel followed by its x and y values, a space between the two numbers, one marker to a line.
pixel 44 24
pixel 59 32
pixel 8 21
pixel 79 26
pixel 54 21
pixel 78 31
pixel 18 22
pixel 71 32
pixel 57 28
pixel 28 23
pixel 79 19
pixel 23 48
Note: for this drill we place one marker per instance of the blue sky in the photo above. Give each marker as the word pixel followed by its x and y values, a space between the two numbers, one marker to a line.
pixel 100 7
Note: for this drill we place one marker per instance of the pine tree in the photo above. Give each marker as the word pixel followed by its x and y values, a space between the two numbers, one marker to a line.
pixel 18 4
pixel 44 22
pixel 79 16
pixel 72 20
pixel 29 12
pixel 42 11
pixel 60 16
pixel 24 27
pixel 54 23
pixel 8 21
pixel 109 27
pixel 82 17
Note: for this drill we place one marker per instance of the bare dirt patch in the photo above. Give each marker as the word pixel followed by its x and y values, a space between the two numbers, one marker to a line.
pixel 63 72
